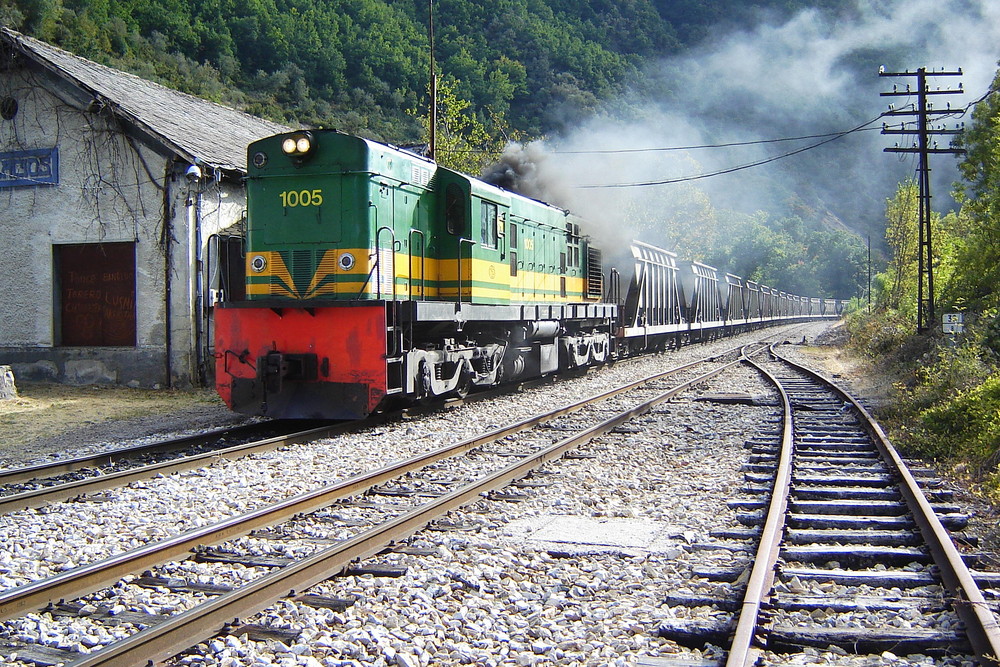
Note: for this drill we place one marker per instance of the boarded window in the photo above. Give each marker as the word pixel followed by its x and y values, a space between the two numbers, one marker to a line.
pixel 96 289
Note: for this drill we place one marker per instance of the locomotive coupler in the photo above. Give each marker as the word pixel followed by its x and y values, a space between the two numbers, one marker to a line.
pixel 277 367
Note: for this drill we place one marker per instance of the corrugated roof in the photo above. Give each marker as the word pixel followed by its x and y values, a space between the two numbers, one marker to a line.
pixel 198 130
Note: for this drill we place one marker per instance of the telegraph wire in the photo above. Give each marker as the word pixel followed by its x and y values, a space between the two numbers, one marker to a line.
pixel 827 138
pixel 749 165
pixel 725 145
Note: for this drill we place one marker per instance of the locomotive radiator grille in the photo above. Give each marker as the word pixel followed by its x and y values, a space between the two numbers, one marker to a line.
pixel 595 274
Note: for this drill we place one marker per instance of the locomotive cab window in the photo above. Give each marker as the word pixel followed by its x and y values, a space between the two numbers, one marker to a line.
pixel 454 209
pixel 488 225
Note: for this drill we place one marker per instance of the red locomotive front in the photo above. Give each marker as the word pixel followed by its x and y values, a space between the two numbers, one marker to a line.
pixel 296 362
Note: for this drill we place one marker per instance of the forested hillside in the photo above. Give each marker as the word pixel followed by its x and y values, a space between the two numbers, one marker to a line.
pixel 362 65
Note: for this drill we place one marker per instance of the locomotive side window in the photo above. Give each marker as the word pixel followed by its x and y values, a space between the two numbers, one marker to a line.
pixel 454 209
pixel 488 225
pixel 513 264
pixel 513 236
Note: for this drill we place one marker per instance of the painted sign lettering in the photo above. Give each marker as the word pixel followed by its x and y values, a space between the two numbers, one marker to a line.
pixel 27 168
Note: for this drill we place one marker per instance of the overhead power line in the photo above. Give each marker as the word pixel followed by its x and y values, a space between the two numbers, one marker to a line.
pixel 680 179
pixel 755 142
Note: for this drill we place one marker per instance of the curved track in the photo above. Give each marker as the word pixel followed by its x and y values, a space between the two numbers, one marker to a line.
pixel 843 495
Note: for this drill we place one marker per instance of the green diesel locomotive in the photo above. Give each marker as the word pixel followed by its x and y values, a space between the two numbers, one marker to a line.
pixel 374 273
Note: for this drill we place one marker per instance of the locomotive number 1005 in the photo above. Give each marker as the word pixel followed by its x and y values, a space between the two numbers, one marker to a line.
pixel 293 198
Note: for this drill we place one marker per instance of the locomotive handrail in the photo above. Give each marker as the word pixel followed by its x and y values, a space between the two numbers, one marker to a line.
pixel 458 268
pixel 423 256
pixel 614 294
pixel 371 271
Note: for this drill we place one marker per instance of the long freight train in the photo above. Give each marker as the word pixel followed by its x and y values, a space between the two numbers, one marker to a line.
pixel 376 276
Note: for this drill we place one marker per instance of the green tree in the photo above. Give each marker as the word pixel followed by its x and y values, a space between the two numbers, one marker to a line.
pixel 977 271
pixel 463 142
pixel 900 281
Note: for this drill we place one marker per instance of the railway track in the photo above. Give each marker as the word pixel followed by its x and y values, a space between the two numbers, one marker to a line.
pixel 558 431
pixel 853 557
pixel 40 485
pixel 64 479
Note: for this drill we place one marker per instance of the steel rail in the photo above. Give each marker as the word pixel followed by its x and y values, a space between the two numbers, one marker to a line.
pixel 970 605
pixel 94 576
pixel 179 632
pixel 742 652
pixel 111 456
pixel 74 489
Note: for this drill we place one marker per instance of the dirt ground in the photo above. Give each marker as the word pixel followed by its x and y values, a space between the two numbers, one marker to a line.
pixel 49 420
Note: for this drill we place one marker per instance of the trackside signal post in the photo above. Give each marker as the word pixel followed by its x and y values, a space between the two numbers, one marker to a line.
pixel 921 126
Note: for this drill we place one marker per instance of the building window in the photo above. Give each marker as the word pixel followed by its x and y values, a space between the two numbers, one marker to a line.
pixel 96 294
pixel 8 108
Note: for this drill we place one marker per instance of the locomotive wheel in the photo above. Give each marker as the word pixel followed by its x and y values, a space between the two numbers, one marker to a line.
pixel 464 382
pixel 424 378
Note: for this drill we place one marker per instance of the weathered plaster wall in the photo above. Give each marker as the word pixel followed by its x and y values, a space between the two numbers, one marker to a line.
pixel 112 187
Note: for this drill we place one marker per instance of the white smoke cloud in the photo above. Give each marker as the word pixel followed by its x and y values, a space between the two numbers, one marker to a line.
pixel 810 73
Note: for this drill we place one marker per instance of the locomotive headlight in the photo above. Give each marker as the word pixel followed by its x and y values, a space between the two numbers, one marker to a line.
pixel 298 145
pixel 346 261
pixel 258 263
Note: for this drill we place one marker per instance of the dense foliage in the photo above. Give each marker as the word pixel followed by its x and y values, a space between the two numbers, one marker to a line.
pixel 946 403
pixel 508 69
pixel 362 65
pixel 359 65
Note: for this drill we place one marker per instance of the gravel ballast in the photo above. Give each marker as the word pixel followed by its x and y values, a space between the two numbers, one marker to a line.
pixel 575 574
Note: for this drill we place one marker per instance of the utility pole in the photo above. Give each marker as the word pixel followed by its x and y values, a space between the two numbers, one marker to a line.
pixel 432 139
pixel 921 127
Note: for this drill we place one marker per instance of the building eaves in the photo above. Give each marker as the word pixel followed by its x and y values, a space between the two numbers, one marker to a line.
pixel 197 130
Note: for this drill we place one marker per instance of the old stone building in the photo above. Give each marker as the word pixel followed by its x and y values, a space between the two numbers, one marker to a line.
pixel 120 210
